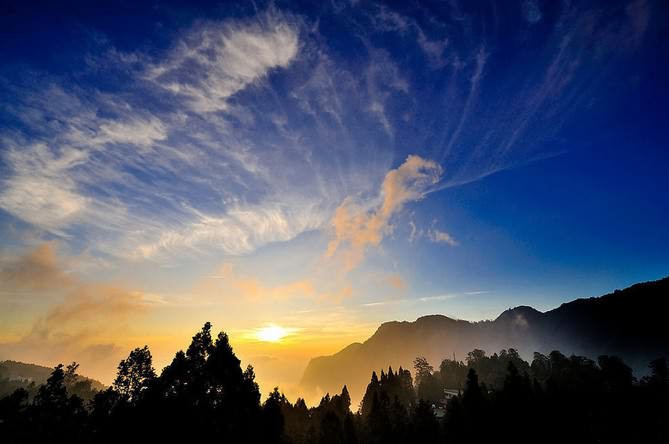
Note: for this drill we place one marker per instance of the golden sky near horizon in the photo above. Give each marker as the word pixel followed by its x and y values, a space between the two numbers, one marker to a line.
pixel 52 313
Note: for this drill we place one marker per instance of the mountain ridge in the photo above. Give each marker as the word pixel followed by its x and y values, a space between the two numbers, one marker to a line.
pixel 627 323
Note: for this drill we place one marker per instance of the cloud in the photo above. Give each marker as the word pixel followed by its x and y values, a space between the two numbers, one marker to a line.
pixel 109 166
pixel 386 20
pixel 433 234
pixel 244 289
pixel 40 190
pixel 140 132
pixel 396 281
pixel 238 288
pixel 83 310
pixel 438 236
pixel 240 231
pixel 358 227
pixel 383 79
pixel 253 130
pixel 253 290
pixel 414 233
pixel 215 62
pixel 441 297
pixel 476 292
pixel 197 152
pixel 409 301
pixel 75 326
pixel 531 11
pixel 433 49
pixel 37 270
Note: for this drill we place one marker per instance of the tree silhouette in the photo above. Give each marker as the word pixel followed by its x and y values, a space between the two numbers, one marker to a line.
pixel 135 374
pixel 422 368
pixel 272 417
pixel 205 395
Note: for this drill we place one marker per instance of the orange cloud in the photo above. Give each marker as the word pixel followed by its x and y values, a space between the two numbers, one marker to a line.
pixel 78 326
pixel 37 270
pixel 89 306
pixel 240 288
pixel 396 282
pixel 357 227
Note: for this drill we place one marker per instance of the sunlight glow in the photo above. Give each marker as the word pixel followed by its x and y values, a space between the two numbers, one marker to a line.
pixel 271 333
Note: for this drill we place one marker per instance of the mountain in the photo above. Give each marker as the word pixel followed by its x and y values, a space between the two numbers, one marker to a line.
pixel 629 323
pixel 15 375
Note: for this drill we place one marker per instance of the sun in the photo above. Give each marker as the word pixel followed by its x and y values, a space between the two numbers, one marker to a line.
pixel 271 333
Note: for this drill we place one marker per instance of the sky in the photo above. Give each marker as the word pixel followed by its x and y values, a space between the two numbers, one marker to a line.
pixel 299 172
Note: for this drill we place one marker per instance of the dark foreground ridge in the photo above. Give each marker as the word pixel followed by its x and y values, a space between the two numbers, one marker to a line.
pixel 205 396
pixel 629 323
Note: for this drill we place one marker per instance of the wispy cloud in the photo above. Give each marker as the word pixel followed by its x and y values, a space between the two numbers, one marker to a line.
pixel 436 298
pixel 439 236
pixel 358 226
pixel 233 287
pixel 216 61
pixel 198 152
pixel 39 191
pixel 109 168
pixel 253 130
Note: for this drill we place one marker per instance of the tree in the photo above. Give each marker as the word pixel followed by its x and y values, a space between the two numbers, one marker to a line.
pixel 331 429
pixel 422 368
pixel 659 377
pixel 273 421
pixel 430 389
pixel 541 367
pixel 452 374
pixel 345 399
pixel 373 389
pixel 425 428
pixel 135 374
pixel 53 394
pixel 615 374
pixel 81 387
pixel 56 416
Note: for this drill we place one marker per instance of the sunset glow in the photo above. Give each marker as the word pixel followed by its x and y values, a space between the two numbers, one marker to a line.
pixel 271 333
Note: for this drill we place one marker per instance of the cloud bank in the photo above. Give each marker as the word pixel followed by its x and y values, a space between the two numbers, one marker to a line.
pixel 80 315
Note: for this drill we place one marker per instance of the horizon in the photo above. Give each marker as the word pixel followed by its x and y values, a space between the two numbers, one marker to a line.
pixel 298 174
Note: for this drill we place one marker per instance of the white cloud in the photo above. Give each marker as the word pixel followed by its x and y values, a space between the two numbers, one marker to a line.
pixel 383 79
pixel 217 61
pixel 141 132
pixel 386 20
pixel 433 49
pixel 441 237
pixel 414 233
pixel 97 161
pixel 40 191
pixel 239 231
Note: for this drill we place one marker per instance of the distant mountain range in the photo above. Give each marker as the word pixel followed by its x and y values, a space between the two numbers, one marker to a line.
pixel 15 374
pixel 630 323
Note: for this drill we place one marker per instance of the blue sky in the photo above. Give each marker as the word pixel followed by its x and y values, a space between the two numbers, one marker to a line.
pixel 330 162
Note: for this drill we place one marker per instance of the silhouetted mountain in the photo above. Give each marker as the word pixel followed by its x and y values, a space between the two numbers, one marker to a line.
pixel 15 375
pixel 630 323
